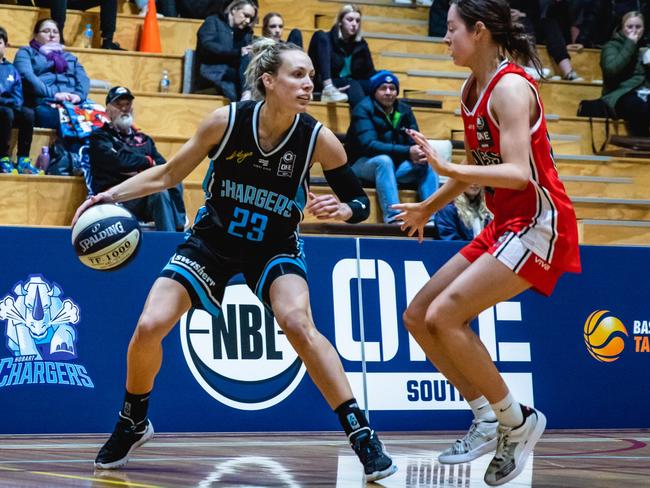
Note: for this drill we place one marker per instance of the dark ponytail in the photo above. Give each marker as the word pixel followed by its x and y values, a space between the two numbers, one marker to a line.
pixel 511 36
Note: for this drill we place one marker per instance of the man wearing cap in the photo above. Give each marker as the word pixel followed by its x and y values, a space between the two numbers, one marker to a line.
pixel 380 151
pixel 118 151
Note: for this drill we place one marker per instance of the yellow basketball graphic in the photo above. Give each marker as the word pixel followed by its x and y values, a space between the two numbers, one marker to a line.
pixel 604 336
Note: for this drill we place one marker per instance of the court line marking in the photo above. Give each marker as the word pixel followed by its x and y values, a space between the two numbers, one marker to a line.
pixel 321 442
pixel 217 458
pixel 86 478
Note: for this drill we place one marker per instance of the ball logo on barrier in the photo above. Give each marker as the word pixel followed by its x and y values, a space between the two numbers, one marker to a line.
pixel 241 358
pixel 604 336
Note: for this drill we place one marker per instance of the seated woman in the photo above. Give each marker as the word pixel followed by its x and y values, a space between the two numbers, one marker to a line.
pixel 625 77
pixel 223 49
pixel 273 26
pixel 50 74
pixel 465 217
pixel 342 59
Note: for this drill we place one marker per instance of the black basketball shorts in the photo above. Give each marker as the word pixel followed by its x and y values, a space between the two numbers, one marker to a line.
pixel 204 273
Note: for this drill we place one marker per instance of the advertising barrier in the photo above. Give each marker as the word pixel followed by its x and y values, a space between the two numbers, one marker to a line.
pixel 581 355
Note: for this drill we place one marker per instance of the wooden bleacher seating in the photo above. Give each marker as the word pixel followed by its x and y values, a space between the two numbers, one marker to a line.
pixel 610 193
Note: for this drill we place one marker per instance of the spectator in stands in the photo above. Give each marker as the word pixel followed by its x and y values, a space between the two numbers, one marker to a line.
pixel 555 24
pixel 224 47
pixel 626 86
pixel 50 74
pixel 164 8
pixel 107 16
pixel 273 26
pixel 465 217
pixel 200 9
pixel 380 150
pixel 438 18
pixel 13 114
pixel 118 151
pixel 342 59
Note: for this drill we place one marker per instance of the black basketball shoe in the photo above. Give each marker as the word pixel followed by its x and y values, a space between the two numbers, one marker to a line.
pixel 377 464
pixel 124 439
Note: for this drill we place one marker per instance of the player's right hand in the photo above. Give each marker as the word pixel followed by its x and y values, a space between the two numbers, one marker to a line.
pixel 103 197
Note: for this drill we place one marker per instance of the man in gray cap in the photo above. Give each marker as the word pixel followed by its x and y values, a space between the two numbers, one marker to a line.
pixel 381 152
pixel 119 151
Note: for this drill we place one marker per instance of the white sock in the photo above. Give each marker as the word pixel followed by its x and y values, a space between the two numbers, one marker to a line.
pixel 482 409
pixel 508 411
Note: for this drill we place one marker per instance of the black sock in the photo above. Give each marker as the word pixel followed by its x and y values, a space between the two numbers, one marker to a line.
pixel 135 407
pixel 351 416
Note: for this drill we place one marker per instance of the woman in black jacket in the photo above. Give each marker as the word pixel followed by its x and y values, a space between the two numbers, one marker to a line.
pixel 342 59
pixel 223 49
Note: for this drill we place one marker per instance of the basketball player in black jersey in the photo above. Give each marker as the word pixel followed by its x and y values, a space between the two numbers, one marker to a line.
pixel 256 191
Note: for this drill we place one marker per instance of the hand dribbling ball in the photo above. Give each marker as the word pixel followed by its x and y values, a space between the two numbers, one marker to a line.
pixel 106 236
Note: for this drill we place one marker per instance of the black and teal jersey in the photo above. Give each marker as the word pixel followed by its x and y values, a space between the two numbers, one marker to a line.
pixel 255 197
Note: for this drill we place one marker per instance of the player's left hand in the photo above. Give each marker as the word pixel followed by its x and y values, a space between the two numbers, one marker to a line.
pixel 438 164
pixel 327 207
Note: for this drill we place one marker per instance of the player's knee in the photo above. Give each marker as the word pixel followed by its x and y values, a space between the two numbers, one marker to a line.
pixel 413 319
pixel 298 328
pixel 151 327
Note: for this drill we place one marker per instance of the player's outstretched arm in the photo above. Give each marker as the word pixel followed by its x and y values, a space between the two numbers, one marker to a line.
pixel 161 177
pixel 350 203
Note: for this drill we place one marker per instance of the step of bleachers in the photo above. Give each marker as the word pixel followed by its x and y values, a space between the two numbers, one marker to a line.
pixel 614 232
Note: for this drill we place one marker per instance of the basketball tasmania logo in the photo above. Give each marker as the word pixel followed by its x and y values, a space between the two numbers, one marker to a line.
pixel 241 358
pixel 606 336
pixel 41 336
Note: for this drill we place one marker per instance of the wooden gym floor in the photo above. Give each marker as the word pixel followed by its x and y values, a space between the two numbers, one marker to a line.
pixel 563 459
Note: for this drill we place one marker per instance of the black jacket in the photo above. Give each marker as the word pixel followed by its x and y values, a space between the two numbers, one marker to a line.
pixel 361 66
pixel 371 133
pixel 219 48
pixel 115 157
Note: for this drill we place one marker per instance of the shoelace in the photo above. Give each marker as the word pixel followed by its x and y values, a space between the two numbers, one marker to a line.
pixel 462 445
pixel 502 444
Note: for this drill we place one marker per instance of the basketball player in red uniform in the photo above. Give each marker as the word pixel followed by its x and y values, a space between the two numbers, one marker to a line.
pixel 531 241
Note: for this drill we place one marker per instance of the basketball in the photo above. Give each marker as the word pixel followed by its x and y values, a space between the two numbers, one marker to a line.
pixel 106 237
pixel 604 337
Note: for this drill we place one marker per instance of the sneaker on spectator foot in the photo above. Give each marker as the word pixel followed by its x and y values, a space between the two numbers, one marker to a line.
pixel 331 94
pixel 377 464
pixel 480 439
pixel 114 46
pixel 6 166
pixel 514 444
pixel 572 76
pixel 124 439
pixel 25 167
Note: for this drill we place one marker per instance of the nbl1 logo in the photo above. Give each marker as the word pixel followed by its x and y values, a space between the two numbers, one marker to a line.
pixel 241 358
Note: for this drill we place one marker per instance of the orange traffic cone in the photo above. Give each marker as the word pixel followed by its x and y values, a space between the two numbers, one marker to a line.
pixel 150 39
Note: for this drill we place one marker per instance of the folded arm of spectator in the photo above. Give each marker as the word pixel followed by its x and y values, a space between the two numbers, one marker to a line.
pixel 23 64
pixel 82 81
pixel 126 160
pixel 214 38
pixel 615 57
pixel 368 139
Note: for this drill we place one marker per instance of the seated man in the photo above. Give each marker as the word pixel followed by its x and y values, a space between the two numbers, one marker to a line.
pixel 118 151
pixel 380 151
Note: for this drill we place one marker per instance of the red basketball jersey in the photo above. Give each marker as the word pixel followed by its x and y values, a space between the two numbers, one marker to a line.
pixel 542 214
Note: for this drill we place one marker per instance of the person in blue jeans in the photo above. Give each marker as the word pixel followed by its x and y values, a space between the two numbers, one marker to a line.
pixel 380 150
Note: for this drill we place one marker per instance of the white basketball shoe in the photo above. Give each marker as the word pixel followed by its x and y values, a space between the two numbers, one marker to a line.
pixel 513 447
pixel 480 439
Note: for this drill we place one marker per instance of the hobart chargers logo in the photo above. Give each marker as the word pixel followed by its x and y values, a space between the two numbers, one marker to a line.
pixel 241 358
pixel 41 336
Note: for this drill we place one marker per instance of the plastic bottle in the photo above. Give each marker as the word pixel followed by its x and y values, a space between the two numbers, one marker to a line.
pixel 43 160
pixel 88 37
pixel 165 82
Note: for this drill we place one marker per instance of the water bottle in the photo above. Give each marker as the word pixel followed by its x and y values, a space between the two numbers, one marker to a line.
pixel 88 37
pixel 165 82
pixel 43 159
